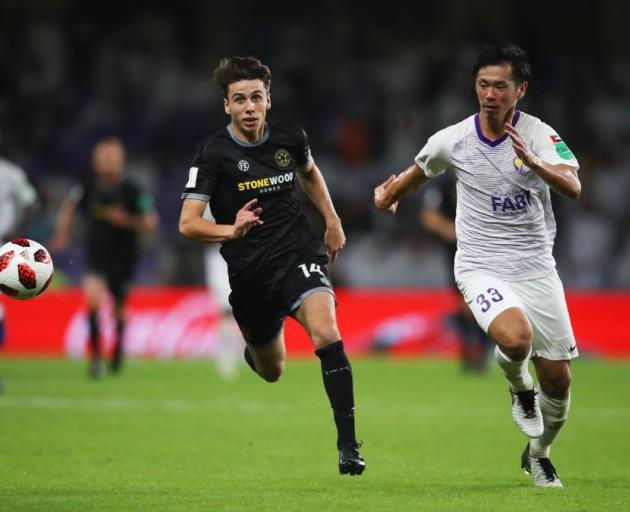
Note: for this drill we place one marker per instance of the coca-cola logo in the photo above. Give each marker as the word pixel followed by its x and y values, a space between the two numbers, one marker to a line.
pixel 187 328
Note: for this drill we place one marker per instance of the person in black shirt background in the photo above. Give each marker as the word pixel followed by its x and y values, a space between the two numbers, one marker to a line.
pixel 247 172
pixel 116 211
pixel 437 216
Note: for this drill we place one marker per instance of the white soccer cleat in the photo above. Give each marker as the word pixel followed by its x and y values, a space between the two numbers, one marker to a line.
pixel 541 470
pixel 526 412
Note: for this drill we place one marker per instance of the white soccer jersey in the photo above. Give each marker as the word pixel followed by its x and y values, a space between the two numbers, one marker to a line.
pixel 16 194
pixel 505 225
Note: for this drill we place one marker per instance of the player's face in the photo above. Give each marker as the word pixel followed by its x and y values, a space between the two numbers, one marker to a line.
pixel 497 91
pixel 108 161
pixel 247 103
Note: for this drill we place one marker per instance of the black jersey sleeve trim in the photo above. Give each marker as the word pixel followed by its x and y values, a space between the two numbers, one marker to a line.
pixel 198 197
pixel 302 168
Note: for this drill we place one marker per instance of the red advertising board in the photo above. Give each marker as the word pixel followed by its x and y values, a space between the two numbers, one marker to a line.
pixel 182 323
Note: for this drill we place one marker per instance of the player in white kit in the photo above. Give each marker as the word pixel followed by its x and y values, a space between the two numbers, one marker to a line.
pixel 17 195
pixel 505 162
pixel 230 345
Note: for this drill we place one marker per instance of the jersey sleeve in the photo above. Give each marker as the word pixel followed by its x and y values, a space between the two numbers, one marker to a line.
pixel 302 152
pixel 551 148
pixel 78 195
pixel 434 157
pixel 145 203
pixel 203 176
pixel 142 202
pixel 23 191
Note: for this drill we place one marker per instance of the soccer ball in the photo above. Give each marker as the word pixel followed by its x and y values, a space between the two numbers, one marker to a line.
pixel 26 268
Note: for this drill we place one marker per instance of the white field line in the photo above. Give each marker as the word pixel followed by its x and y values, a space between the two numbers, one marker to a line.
pixel 253 407
pixel 126 404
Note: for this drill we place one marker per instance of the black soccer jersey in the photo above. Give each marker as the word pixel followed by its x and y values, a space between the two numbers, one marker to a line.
pixel 228 173
pixel 441 195
pixel 110 246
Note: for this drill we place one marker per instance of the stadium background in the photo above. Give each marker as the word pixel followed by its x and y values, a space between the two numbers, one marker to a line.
pixel 368 86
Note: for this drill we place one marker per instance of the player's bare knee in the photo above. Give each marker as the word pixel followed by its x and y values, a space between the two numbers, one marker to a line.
pixel 324 335
pixel 520 346
pixel 272 373
pixel 515 341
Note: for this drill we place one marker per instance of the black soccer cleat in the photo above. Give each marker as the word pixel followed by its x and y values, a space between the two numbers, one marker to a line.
pixel 350 460
pixel 115 365
pixel 96 370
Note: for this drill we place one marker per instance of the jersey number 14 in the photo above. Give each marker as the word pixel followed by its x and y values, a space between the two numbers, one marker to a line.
pixel 314 268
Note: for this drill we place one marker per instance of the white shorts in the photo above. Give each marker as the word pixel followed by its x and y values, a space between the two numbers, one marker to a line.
pixel 217 276
pixel 541 299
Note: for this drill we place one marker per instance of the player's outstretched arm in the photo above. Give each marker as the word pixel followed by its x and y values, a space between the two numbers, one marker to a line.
pixel 314 186
pixel 560 177
pixel 193 225
pixel 387 194
pixel 61 235
pixel 434 221
pixel 119 217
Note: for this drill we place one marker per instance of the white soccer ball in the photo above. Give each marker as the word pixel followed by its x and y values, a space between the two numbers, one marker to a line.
pixel 26 268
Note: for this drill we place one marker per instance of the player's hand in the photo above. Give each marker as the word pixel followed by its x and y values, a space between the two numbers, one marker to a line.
pixel 380 199
pixel 335 240
pixel 521 148
pixel 246 218
pixel 117 216
pixel 57 243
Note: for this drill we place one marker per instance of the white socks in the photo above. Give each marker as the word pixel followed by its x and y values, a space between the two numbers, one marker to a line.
pixel 554 413
pixel 516 372
pixel 229 348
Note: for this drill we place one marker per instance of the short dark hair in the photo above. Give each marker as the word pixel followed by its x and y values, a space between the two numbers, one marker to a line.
pixel 507 53
pixel 233 69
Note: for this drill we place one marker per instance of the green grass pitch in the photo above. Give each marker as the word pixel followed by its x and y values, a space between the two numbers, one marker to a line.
pixel 174 436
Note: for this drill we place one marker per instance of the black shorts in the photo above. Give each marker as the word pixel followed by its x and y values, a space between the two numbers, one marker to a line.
pixel 260 306
pixel 118 279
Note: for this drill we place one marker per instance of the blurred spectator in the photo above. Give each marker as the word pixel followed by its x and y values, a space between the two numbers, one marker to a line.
pixel 116 211
pixel 17 196
pixel 437 216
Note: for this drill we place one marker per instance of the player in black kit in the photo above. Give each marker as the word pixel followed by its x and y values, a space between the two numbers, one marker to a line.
pixel 116 211
pixel 247 172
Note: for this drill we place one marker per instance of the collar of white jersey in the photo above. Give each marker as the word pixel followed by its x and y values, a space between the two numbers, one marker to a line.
pixel 262 140
pixel 486 140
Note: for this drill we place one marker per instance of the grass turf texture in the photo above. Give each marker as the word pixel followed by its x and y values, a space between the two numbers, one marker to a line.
pixel 174 436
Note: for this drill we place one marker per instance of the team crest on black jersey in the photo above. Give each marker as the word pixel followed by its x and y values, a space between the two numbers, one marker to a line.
pixel 243 165
pixel 282 158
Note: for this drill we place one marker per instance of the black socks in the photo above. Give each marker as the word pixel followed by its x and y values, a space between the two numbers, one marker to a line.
pixel 117 356
pixel 337 375
pixel 94 335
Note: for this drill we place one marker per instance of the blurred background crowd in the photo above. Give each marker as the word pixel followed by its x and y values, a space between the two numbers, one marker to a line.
pixel 368 84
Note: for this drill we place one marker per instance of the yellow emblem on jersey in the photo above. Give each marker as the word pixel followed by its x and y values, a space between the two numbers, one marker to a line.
pixel 282 158
pixel 520 166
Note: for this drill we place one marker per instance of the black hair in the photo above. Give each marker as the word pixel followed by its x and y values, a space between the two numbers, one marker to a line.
pixel 507 53
pixel 233 69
